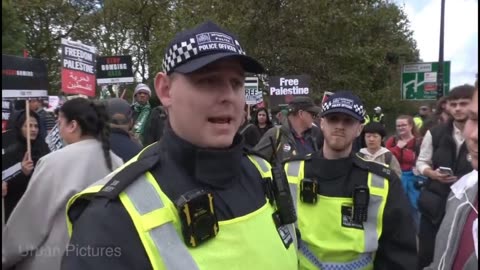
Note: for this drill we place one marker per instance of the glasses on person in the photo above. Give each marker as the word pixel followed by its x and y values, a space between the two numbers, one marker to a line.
pixel 402 125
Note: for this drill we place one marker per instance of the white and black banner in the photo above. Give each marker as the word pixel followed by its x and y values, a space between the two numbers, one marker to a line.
pixel 23 78
pixel 283 89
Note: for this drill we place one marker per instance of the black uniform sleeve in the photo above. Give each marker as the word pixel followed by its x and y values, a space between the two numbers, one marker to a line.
pixel 104 237
pixel 397 245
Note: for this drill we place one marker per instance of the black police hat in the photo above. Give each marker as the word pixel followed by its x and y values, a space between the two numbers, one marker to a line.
pixel 193 49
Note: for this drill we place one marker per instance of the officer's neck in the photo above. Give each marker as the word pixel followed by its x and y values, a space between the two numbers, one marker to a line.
pixel 214 167
pixel 329 153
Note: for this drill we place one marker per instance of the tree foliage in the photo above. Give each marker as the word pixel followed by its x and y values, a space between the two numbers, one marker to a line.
pixel 358 45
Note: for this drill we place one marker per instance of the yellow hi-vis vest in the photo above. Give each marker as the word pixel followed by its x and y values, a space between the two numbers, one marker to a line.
pixel 247 242
pixel 366 119
pixel 418 122
pixel 378 118
pixel 325 244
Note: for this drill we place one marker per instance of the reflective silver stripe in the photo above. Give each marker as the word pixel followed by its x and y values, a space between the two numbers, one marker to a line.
pixel 293 192
pixel 293 168
pixel 361 262
pixel 370 227
pixel 262 163
pixel 377 181
pixel 144 196
pixel 169 245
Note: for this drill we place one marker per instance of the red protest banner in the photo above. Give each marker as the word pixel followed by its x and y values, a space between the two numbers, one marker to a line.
pixel 78 68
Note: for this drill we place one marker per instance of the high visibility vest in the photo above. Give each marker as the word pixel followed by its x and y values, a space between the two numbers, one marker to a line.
pixel 367 119
pixel 378 118
pixel 247 242
pixel 418 121
pixel 325 243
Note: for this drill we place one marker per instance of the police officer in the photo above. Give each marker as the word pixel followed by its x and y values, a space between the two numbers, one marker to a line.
pixel 378 115
pixel 196 199
pixel 352 213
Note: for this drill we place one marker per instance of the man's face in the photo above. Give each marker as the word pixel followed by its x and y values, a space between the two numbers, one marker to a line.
pixel 205 107
pixel 34 105
pixel 306 118
pixel 424 111
pixel 142 97
pixel 470 132
pixel 458 109
pixel 340 130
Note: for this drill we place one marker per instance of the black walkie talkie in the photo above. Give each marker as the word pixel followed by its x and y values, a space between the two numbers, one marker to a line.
pixel 281 190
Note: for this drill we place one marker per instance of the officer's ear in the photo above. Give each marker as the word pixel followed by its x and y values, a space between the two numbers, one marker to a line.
pixel 360 129
pixel 163 88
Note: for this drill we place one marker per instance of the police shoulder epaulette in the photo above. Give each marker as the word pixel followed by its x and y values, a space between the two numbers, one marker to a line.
pixel 374 167
pixel 250 151
pixel 298 157
pixel 145 160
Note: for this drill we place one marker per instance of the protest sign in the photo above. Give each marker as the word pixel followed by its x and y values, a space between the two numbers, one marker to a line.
pixel 284 88
pixel 114 70
pixel 78 68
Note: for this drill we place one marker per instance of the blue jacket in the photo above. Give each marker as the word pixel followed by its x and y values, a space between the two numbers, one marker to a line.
pixel 122 145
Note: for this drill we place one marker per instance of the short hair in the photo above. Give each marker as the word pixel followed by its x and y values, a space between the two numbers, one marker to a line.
pixel 375 127
pixel 461 91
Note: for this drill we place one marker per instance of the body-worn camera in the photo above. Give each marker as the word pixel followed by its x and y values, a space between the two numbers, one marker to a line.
pixel 198 218
pixel 309 191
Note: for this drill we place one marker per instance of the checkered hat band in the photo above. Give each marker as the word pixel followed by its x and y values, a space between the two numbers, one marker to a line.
pixel 356 108
pixel 181 52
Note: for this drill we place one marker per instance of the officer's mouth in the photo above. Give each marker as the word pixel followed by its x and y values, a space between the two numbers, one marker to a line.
pixel 220 120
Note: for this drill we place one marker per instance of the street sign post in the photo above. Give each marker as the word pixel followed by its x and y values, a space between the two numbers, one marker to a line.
pixel 419 80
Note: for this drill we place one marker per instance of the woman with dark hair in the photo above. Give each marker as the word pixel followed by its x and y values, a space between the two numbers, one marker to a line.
pixel 16 186
pixel 58 176
pixel 374 133
pixel 405 146
pixel 262 121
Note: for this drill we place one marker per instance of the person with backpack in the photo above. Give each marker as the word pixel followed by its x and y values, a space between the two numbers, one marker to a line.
pixel 296 135
pixel 373 135
pixel 405 146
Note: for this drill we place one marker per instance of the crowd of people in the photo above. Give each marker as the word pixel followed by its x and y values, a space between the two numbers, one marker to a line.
pixel 197 183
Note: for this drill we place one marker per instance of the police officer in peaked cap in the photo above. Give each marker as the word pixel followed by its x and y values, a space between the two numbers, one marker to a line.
pixel 196 199
pixel 352 213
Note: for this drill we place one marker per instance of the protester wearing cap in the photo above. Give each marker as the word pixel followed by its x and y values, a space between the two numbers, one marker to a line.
pixel 161 210
pixel 141 110
pixel 295 136
pixel 122 142
pixel 352 213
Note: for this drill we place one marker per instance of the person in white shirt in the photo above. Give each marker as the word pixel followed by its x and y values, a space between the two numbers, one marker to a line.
pixel 442 146
pixel 456 245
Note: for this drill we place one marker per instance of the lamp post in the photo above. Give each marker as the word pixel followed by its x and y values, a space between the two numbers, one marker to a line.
pixel 440 89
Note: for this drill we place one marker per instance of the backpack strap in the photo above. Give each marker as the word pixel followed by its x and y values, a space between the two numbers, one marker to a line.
pixel 244 129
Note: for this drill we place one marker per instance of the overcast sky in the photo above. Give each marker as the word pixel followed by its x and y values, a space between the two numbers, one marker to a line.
pixel 461 34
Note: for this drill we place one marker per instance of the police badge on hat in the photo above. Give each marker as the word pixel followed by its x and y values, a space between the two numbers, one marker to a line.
pixel 287 147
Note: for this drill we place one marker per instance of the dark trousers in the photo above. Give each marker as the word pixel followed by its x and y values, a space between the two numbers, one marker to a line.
pixel 426 242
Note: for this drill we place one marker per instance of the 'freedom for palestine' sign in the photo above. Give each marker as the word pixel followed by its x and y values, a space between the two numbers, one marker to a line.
pixel 78 68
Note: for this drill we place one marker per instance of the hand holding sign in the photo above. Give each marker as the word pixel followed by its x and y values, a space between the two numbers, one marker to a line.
pixel 27 164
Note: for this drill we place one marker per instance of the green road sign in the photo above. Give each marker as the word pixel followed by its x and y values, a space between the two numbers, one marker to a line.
pixel 419 81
